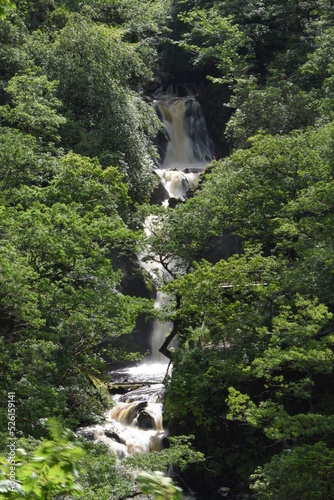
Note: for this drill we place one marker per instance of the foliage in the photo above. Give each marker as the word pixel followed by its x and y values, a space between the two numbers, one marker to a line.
pixel 215 37
pixel 105 117
pixel 158 485
pixel 13 36
pixel 252 376
pixel 101 476
pixel 296 354
pixel 208 295
pixel 24 163
pixel 146 24
pixel 196 400
pixel 273 110
pixel 249 194
pixel 255 330
pixel 180 454
pixel 34 109
pixel 48 471
pixel 60 240
pixel 286 475
pixel 4 5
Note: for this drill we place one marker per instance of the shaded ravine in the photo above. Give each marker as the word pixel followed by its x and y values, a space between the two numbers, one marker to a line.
pixel 135 423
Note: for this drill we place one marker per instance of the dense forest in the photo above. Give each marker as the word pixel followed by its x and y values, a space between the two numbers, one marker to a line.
pixel 250 402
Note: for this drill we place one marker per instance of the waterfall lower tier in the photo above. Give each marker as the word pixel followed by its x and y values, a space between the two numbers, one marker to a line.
pixel 178 183
pixel 134 424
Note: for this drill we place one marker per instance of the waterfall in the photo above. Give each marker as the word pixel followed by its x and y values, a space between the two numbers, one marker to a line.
pixel 134 427
pixel 135 424
pixel 183 157
pixel 188 144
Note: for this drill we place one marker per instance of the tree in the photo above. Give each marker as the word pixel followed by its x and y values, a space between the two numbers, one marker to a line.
pixel 4 6
pixel 160 486
pixel 248 195
pixel 288 474
pixel 51 470
pixel 105 118
pixel 34 107
pixel 273 110
pixel 61 242
pixel 215 37
pixel 256 330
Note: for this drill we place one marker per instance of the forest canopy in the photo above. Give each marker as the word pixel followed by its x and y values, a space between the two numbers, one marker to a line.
pixel 253 370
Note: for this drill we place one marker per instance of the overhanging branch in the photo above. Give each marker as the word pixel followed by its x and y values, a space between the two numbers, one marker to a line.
pixel 164 348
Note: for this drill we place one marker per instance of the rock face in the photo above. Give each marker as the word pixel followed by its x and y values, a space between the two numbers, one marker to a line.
pixel 173 202
pixel 145 420
pixel 158 195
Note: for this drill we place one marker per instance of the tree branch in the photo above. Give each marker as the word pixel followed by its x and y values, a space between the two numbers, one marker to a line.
pixel 164 348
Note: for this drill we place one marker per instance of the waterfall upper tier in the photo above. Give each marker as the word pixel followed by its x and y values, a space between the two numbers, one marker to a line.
pixel 185 149
pixel 188 142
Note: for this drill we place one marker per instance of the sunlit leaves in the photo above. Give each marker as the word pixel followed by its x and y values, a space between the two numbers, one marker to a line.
pixel 273 342
pixel 5 5
pixel 59 290
pixel 227 296
pixel 215 37
pixel 34 107
pixel 23 163
pixel 159 485
pixel 50 470
pixel 288 474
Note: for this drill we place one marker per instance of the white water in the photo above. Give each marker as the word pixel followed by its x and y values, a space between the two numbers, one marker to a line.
pixel 134 424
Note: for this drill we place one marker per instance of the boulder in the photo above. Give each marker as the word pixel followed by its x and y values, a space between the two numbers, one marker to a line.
pixel 159 194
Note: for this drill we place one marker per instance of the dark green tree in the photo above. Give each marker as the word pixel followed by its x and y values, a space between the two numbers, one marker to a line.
pixel 95 68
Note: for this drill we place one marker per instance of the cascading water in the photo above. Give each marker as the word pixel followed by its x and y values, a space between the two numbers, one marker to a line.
pixel 188 149
pixel 188 140
pixel 183 157
pixel 135 424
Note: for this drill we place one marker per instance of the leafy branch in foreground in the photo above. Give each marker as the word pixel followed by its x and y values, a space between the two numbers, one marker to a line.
pixel 50 470
pixel 4 6
pixel 158 485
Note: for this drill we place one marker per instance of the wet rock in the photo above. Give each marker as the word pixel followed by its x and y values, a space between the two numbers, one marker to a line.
pixel 192 170
pixel 89 435
pixel 126 413
pixel 165 442
pixel 153 85
pixel 224 491
pixel 151 392
pixel 156 441
pixel 158 195
pixel 145 420
pixel 119 449
pixel 114 436
pixel 172 202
